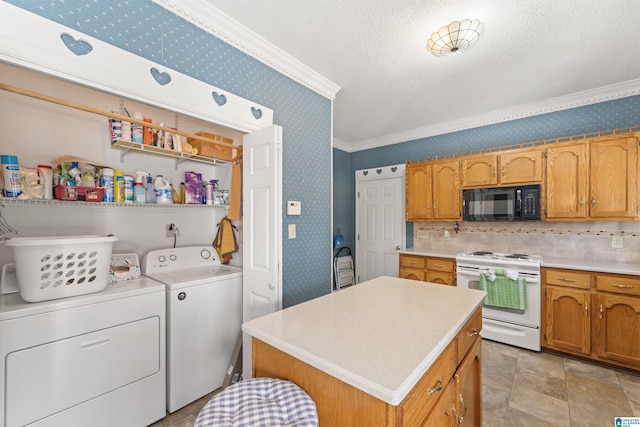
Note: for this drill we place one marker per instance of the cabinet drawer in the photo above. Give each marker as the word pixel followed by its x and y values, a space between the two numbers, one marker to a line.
pixel 618 284
pixel 440 264
pixel 412 274
pixel 440 278
pixel 469 333
pixel 571 279
pixel 423 397
pixel 411 261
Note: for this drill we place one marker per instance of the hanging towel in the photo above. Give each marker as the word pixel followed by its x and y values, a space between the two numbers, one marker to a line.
pixel 225 241
pixel 503 291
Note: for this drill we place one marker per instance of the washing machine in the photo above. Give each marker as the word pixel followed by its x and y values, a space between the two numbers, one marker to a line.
pixel 96 359
pixel 204 317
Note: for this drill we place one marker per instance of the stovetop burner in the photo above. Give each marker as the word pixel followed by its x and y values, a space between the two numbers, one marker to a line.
pixel 480 253
pixel 518 256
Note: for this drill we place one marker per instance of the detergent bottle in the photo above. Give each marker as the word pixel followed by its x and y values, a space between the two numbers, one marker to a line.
pixel 139 192
pixel 163 190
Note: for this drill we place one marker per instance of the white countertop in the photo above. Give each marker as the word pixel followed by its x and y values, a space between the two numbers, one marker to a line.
pixel 379 336
pixel 556 262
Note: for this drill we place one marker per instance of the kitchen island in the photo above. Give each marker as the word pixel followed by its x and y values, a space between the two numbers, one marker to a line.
pixel 386 352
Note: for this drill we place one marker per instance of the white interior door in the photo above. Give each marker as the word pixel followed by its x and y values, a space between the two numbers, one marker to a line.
pixel 380 221
pixel 262 228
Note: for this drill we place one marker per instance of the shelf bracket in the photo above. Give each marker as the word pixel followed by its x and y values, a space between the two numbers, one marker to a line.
pixel 124 153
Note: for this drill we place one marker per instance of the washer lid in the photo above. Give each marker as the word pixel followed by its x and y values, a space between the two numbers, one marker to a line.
pixel 196 276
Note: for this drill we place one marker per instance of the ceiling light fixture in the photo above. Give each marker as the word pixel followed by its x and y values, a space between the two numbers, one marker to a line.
pixel 455 37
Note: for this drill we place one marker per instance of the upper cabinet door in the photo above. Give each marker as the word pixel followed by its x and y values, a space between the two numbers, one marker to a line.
pixel 447 192
pixel 478 171
pixel 567 181
pixel 419 197
pixel 613 178
pixel 521 167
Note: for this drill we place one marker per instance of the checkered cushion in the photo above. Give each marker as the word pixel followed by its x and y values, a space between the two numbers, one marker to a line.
pixel 259 402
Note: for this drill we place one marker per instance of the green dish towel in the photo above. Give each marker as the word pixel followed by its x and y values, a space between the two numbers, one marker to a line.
pixel 504 292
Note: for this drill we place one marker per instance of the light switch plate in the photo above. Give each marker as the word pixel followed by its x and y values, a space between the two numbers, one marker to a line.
pixel 423 234
pixel 292 231
pixel 294 207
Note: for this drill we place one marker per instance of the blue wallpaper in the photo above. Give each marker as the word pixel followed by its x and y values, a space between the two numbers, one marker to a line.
pixel 149 31
pixel 620 113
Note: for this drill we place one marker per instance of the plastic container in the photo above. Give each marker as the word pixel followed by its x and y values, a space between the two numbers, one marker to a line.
pixel 57 267
pixel 126 131
pixel 118 186
pixel 147 137
pixel 107 183
pixel 77 193
pixel 115 126
pixel 162 186
pixel 11 174
pixel 128 189
pixel 137 130
pixel 46 180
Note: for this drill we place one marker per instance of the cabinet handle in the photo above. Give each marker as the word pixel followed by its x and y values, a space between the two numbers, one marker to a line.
pixel 601 311
pixel 412 262
pixel 593 201
pixel 464 407
pixel 582 201
pixel 503 171
pixel 494 171
pixel 435 206
pixel 622 286
pixel 438 387
pixel 562 279
pixel 438 265
pixel 586 309
pixel 455 414
pixel 473 333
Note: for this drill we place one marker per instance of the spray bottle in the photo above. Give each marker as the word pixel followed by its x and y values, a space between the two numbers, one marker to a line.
pixel 139 192
pixel 151 192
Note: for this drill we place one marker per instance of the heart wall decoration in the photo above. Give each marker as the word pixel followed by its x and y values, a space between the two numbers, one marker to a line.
pixel 220 99
pixel 161 78
pixel 76 46
pixel 257 113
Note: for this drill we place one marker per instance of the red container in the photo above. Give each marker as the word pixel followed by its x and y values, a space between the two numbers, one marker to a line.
pixel 71 193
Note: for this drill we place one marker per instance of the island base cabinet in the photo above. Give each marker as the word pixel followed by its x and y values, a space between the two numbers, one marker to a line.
pixel 468 382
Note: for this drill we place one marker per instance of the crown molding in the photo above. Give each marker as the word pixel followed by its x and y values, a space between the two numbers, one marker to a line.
pixel 578 99
pixel 222 26
pixel 341 145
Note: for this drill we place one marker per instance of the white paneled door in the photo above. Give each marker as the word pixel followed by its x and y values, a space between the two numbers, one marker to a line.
pixel 380 221
pixel 262 228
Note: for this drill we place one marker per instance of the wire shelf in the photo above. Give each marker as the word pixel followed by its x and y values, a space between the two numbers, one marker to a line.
pixel 11 201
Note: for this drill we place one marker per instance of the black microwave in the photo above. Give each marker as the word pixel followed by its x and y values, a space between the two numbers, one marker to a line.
pixel 502 203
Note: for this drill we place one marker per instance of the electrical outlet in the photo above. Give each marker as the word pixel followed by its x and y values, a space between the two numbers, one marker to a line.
pixel 170 230
pixel 447 235
pixel 616 242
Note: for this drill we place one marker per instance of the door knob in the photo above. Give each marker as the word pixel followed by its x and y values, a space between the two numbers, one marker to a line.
pixel 397 248
pixel 271 286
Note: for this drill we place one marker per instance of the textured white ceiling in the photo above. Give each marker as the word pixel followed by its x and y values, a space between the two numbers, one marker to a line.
pixel 531 51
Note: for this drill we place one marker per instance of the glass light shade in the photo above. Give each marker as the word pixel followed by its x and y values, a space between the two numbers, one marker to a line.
pixel 455 37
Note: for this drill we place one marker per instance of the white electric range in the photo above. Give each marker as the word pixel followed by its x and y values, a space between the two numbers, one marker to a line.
pixel 518 327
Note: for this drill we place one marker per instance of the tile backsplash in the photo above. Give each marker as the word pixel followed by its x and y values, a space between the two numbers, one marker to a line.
pixel 590 241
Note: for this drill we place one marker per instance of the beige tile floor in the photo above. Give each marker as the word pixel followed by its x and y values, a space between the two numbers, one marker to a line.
pixel 525 388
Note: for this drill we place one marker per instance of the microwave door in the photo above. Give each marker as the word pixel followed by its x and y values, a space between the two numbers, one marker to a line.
pixel 499 205
pixel 473 209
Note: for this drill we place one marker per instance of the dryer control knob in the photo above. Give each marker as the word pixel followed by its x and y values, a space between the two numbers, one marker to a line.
pixel 161 258
pixel 205 254
pixel 182 296
pixel 173 257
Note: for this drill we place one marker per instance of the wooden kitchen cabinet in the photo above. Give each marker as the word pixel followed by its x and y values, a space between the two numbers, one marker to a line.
pixel 618 318
pixel 433 191
pixel 594 315
pixel 418 192
pixel 593 180
pixel 468 382
pixel 567 181
pixel 428 269
pixel 613 177
pixel 522 166
pixel 479 171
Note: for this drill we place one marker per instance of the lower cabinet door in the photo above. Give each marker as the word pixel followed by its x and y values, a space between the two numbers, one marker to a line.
pixel 468 381
pixel 568 319
pixel 618 328
pixel 412 273
pixel 444 414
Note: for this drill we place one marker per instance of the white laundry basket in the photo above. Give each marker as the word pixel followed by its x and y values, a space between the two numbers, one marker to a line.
pixel 57 267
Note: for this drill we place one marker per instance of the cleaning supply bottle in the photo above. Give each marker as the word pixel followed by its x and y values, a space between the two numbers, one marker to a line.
pixel 151 192
pixel 162 187
pixel 339 240
pixel 139 192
